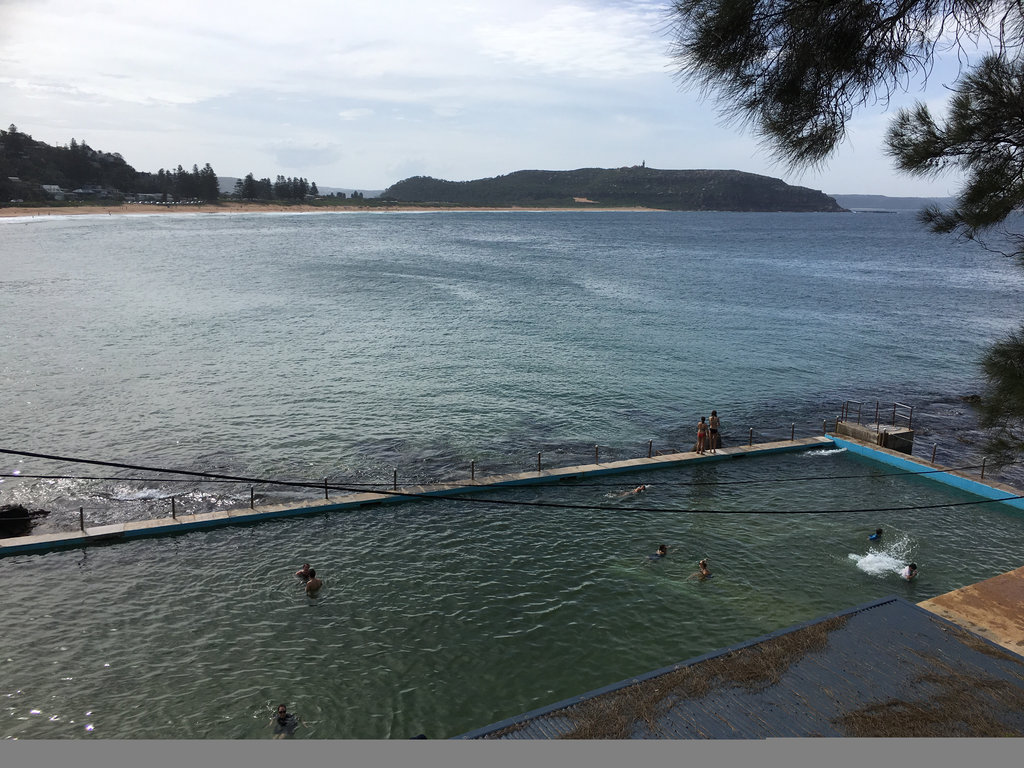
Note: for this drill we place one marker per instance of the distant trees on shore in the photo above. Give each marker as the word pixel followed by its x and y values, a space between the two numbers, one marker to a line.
pixel 78 169
pixel 251 188
pixel 81 172
pixel 179 184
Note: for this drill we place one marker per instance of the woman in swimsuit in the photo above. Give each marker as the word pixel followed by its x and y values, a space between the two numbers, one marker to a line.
pixel 702 433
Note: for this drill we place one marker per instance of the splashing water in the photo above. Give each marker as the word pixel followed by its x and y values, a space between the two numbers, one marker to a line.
pixel 890 557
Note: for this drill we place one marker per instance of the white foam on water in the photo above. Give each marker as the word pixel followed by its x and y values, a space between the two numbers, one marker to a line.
pixel 146 494
pixel 889 557
pixel 825 452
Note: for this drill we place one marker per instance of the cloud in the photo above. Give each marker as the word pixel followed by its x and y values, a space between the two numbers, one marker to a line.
pixel 364 93
pixel 355 114
pixel 579 40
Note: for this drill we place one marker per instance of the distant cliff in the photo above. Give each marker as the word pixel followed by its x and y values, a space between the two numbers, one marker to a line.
pixel 698 190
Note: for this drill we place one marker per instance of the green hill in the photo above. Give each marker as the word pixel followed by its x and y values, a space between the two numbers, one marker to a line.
pixel 28 166
pixel 696 190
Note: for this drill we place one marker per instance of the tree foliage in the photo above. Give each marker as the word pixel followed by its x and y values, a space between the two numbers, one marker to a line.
pixel 983 137
pixel 797 70
pixel 1002 408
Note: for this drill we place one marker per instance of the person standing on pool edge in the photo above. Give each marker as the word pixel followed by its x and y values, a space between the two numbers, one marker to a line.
pixel 713 431
pixel 702 435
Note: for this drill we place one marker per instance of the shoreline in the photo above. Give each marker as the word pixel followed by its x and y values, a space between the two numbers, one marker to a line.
pixel 228 208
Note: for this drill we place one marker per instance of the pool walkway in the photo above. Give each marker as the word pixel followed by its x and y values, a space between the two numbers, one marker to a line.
pixel 177 524
pixel 993 609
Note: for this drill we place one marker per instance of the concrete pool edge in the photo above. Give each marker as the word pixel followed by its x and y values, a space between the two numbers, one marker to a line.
pixel 187 523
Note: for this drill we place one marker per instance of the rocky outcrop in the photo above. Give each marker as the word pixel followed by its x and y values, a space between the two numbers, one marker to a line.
pixel 16 520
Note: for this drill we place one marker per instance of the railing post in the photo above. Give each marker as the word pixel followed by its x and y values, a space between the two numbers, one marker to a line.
pixel 174 514
pixel 326 495
pixel 824 427
pixel 934 447
pixel 983 459
pixel 650 448
pixel 876 414
pixel 596 455
pixel 751 441
pixel 538 461
pixel 394 481
pixel 81 519
pixel 792 432
pixel 252 498
pixel 472 470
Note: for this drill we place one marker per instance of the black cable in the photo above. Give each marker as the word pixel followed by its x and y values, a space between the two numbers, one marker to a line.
pixel 506 502
pixel 310 484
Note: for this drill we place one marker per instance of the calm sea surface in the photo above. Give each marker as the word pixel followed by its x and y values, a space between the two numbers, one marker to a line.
pixel 354 346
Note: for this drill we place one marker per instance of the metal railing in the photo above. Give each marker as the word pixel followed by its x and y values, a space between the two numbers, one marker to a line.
pixel 902 414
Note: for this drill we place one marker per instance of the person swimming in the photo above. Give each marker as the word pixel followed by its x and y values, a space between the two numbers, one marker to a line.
pixel 662 551
pixel 910 572
pixel 313 584
pixel 633 491
pixel 876 535
pixel 703 571
pixel 304 572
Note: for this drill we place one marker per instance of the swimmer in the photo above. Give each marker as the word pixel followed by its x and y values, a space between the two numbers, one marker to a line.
pixel 876 535
pixel 304 572
pixel 314 584
pixel 662 551
pixel 703 572
pixel 284 723
pixel 633 491
pixel 910 572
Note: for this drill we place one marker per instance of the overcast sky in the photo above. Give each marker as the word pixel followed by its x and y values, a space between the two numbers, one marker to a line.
pixel 363 93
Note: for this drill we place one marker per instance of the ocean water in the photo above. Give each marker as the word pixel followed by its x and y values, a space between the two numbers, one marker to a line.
pixel 356 346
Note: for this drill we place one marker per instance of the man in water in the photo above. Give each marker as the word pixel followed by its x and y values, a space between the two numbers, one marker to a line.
pixel 910 572
pixel 284 724
pixel 876 535
pixel 313 584
pixel 704 572
pixel 662 551
pixel 303 572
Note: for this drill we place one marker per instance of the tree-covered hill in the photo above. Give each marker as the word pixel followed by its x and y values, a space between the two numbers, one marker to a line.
pixel 693 190
pixel 26 165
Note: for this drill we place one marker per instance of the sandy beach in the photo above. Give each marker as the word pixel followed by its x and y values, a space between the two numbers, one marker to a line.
pixel 235 207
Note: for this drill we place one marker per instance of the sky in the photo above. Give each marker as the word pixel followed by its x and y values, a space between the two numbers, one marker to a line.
pixel 363 93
